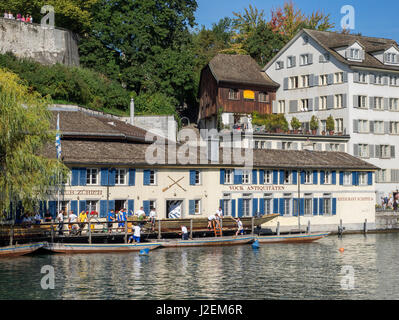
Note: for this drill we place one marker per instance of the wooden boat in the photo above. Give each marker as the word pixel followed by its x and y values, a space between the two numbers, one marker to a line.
pixel 201 224
pixel 205 242
pixel 19 250
pixel 292 238
pixel 99 247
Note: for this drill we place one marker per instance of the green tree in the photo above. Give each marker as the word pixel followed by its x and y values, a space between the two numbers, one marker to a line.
pixel 25 174
pixel 74 15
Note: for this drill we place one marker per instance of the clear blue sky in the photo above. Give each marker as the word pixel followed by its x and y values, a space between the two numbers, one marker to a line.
pixel 375 18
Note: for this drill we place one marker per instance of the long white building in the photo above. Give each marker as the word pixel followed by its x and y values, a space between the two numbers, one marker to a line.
pixel 353 78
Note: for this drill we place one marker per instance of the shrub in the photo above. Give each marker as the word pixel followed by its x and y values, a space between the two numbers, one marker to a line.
pixel 314 123
pixel 295 123
pixel 330 123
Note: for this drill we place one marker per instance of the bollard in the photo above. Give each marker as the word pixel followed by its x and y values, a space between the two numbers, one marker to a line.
pixel 308 230
pixel 278 228
pixel 191 228
pixel 89 232
pixel 365 226
pixel 159 229
pixel 126 231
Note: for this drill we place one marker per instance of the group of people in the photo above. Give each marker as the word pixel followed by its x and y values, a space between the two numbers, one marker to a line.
pixel 390 202
pixel 28 18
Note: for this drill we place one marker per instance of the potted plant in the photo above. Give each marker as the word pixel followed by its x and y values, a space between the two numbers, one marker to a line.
pixel 295 124
pixel 314 124
pixel 330 124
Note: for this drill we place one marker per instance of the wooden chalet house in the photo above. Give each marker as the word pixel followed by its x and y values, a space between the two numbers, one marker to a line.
pixel 231 88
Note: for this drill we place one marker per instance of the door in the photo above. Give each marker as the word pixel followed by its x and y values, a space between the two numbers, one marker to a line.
pixel 174 209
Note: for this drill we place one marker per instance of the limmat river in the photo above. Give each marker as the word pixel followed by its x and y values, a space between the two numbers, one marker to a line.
pixel 367 269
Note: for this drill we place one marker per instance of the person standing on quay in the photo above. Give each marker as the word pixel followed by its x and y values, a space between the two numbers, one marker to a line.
pixel 240 228
pixel 184 233
pixel 111 218
pixel 136 234
pixel 153 216
pixel 60 219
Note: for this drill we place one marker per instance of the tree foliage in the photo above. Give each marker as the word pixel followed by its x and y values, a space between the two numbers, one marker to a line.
pixel 24 129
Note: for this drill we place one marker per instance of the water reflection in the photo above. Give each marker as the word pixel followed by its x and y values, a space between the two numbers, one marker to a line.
pixel 279 271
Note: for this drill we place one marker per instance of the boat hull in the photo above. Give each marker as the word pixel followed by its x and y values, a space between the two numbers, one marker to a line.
pixel 201 224
pixel 292 238
pixel 70 248
pixel 206 242
pixel 19 250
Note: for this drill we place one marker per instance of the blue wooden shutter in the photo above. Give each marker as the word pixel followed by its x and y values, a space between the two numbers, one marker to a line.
pixel 111 205
pixel 322 177
pixel 294 177
pixel 321 206
pixel 334 177
pixel 281 211
pixel 262 206
pixel 130 207
pixel 240 207
pixel 103 208
pixel 222 173
pixel 302 207
pixel 104 176
pixel 261 176
pixel 238 176
pixel 146 207
pixel 281 176
pixel 315 177
pixel 303 177
pixel 52 205
pixel 112 177
pixel 146 177
pixel 275 205
pixel 341 178
pixel 75 177
pixel 132 177
pixel 334 206
pixel 254 206
pixel 82 206
pixel 41 208
pixel 254 176
pixel 275 177
pixel 354 178
pixel 74 206
pixel 82 176
pixel 192 177
pixel 315 206
pixel 370 178
pixel 233 208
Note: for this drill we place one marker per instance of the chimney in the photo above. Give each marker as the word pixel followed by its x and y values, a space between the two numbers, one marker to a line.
pixel 131 111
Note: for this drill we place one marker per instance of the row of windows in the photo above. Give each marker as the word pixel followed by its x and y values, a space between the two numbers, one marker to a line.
pixel 243 176
pixel 376 103
pixel 287 206
pixel 336 101
pixel 387 176
pixel 311 80
pixel 364 150
pixel 376 126
pixel 288 145
pixel 234 94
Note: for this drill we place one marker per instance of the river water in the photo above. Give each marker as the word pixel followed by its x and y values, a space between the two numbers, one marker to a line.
pixel 367 269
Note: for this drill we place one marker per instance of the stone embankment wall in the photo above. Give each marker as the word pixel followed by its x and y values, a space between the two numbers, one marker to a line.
pixel 387 220
pixel 42 44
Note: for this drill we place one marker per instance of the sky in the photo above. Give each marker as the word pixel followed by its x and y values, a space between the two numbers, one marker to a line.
pixel 374 18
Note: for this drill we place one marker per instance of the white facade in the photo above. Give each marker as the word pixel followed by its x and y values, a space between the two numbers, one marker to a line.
pixel 362 101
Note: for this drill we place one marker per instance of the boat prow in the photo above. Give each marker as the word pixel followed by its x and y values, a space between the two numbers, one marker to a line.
pixel 70 248
pixel 20 249
pixel 292 238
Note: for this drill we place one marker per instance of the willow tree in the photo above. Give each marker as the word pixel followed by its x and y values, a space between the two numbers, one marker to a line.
pixel 25 174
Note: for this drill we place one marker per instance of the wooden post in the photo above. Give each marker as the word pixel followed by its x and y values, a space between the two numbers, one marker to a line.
pixel 52 231
pixel 126 231
pixel 191 228
pixel 365 226
pixel 252 225
pixel 278 228
pixel 11 234
pixel 159 229
pixel 89 231
pixel 308 231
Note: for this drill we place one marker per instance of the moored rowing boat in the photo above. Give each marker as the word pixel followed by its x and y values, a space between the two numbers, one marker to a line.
pixel 292 238
pixel 19 250
pixel 99 247
pixel 205 242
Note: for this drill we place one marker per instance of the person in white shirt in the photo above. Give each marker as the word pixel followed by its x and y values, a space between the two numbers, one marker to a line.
pixel 153 216
pixel 140 213
pixel 210 219
pixel 240 228
pixel 219 212
pixel 136 234
pixel 60 219
pixel 184 233
pixel 72 219
pixel 38 218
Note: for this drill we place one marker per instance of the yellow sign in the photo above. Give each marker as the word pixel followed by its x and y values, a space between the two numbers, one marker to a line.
pixel 249 94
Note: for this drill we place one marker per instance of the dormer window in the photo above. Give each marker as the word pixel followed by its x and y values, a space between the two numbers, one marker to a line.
pixel 391 58
pixel 355 54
